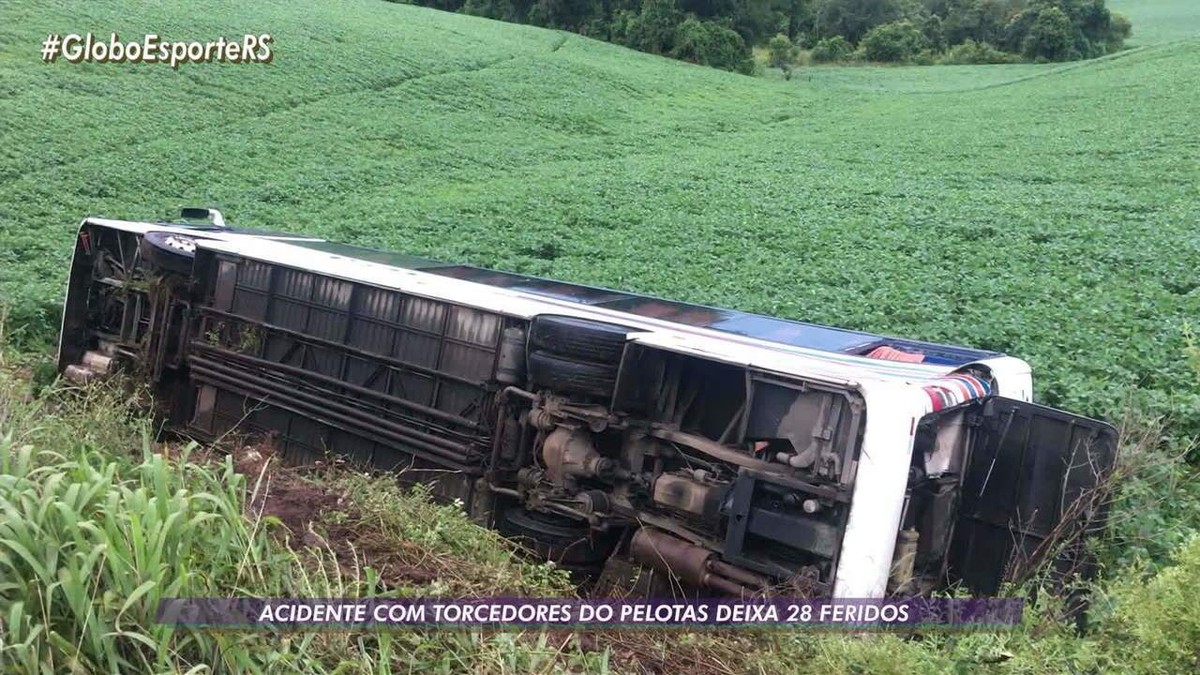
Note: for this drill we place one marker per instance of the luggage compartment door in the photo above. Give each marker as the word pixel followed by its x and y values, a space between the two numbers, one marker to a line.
pixel 1027 487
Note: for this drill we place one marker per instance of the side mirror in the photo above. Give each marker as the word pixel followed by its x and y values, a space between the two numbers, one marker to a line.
pixel 197 212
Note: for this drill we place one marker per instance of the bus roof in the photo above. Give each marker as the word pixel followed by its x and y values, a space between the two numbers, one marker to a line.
pixel 809 350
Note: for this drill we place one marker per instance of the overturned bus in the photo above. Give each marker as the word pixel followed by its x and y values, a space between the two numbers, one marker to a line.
pixel 675 446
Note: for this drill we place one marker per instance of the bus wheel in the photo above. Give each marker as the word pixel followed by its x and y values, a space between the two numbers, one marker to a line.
pixel 580 339
pixel 173 252
pixel 568 376
pixel 568 542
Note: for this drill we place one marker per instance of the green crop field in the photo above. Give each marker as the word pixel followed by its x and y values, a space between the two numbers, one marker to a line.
pixel 1160 20
pixel 1047 211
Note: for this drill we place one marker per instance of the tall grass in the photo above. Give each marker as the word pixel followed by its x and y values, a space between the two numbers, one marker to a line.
pixel 98 523
pixel 91 537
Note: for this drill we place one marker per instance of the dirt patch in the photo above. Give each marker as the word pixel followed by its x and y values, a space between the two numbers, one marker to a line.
pixel 291 497
pixel 282 493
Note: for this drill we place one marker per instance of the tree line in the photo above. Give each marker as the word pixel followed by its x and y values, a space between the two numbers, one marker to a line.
pixel 721 33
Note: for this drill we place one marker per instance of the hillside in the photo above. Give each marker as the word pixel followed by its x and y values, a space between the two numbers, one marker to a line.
pixel 1047 211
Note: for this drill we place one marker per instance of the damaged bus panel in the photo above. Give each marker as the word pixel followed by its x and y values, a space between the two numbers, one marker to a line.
pixel 675 447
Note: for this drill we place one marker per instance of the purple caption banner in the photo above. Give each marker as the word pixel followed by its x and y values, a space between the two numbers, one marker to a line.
pixel 294 613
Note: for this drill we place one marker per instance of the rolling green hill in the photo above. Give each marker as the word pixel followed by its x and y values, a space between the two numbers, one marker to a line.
pixel 1048 211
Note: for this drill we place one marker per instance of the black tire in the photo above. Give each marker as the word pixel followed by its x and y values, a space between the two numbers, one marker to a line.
pixel 580 339
pixel 169 251
pixel 568 376
pixel 568 542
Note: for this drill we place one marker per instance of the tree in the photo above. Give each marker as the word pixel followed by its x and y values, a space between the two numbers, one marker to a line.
pixel 444 5
pixel 781 54
pixel 979 20
pixel 516 11
pixel 1095 30
pixel 569 15
pixel 1051 36
pixel 893 42
pixel 1031 29
pixel 1091 17
pixel 1017 29
pixel 756 20
pixel 798 15
pixel 853 18
pixel 935 35
pixel 653 29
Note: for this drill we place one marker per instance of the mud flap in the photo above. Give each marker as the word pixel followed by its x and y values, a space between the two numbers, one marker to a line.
pixel 1029 493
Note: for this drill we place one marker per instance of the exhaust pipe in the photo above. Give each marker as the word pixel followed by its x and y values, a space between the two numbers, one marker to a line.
pixel 692 564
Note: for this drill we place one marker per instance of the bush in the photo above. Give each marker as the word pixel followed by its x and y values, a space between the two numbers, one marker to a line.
pixel 832 49
pixel 925 57
pixel 1119 30
pixel 781 53
pixel 893 42
pixel 1155 627
pixel 972 53
pixel 708 43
